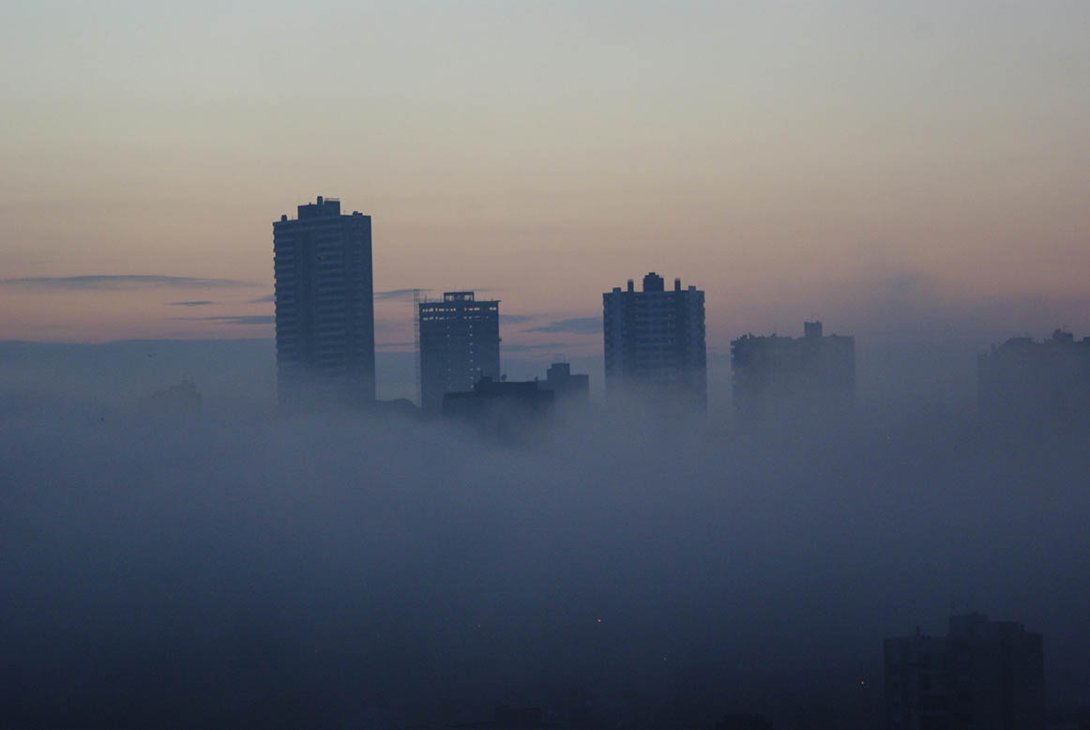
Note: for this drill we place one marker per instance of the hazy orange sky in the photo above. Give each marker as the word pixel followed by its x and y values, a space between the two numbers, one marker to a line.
pixel 884 166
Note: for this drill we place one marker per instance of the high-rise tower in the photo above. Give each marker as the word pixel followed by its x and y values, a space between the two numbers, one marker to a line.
pixel 654 341
pixel 325 322
pixel 459 345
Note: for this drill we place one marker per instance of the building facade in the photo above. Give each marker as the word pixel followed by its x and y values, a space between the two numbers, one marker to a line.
pixel 459 343
pixel 655 341
pixel 982 674
pixel 775 378
pixel 325 322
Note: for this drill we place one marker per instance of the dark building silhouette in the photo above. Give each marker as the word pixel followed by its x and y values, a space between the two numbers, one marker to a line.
pixel 325 324
pixel 498 402
pixel 654 341
pixel 982 674
pixel 1034 385
pixel 459 343
pixel 789 377
pixel 568 387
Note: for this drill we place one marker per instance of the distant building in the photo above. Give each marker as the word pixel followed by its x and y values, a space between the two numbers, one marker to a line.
pixel 459 344
pixel 1031 385
pixel 654 341
pixel 325 324
pixel 982 674
pixel 492 399
pixel 776 376
pixel 568 387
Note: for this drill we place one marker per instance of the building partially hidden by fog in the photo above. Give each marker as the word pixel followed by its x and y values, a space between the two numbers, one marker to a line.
pixel 325 324
pixel 982 674
pixel 776 378
pixel 459 343
pixel 1031 385
pixel 491 399
pixel 654 341
pixel 569 387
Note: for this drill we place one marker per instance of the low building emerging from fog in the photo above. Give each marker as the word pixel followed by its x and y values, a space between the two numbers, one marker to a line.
pixel 777 377
pixel 499 404
pixel 568 387
pixel 982 674
pixel 1031 385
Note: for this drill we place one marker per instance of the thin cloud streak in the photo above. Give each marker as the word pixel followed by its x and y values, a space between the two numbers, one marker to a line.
pixel 533 347
pixel 399 293
pixel 575 326
pixel 246 319
pixel 514 318
pixel 119 281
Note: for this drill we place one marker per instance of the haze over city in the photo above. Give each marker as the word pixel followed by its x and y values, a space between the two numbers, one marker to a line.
pixel 545 364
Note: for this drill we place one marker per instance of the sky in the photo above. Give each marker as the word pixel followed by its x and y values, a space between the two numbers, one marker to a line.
pixel 887 167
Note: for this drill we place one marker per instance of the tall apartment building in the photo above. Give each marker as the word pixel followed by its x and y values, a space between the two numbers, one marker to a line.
pixel 1032 385
pixel 982 674
pixel 787 377
pixel 654 341
pixel 459 343
pixel 325 328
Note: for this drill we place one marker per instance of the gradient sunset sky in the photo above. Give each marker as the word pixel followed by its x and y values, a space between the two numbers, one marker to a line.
pixel 884 166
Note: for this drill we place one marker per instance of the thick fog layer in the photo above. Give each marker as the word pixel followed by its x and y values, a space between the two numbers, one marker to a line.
pixel 243 568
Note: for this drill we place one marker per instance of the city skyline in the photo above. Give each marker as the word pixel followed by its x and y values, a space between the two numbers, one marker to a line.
pixel 582 364
pixel 798 163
